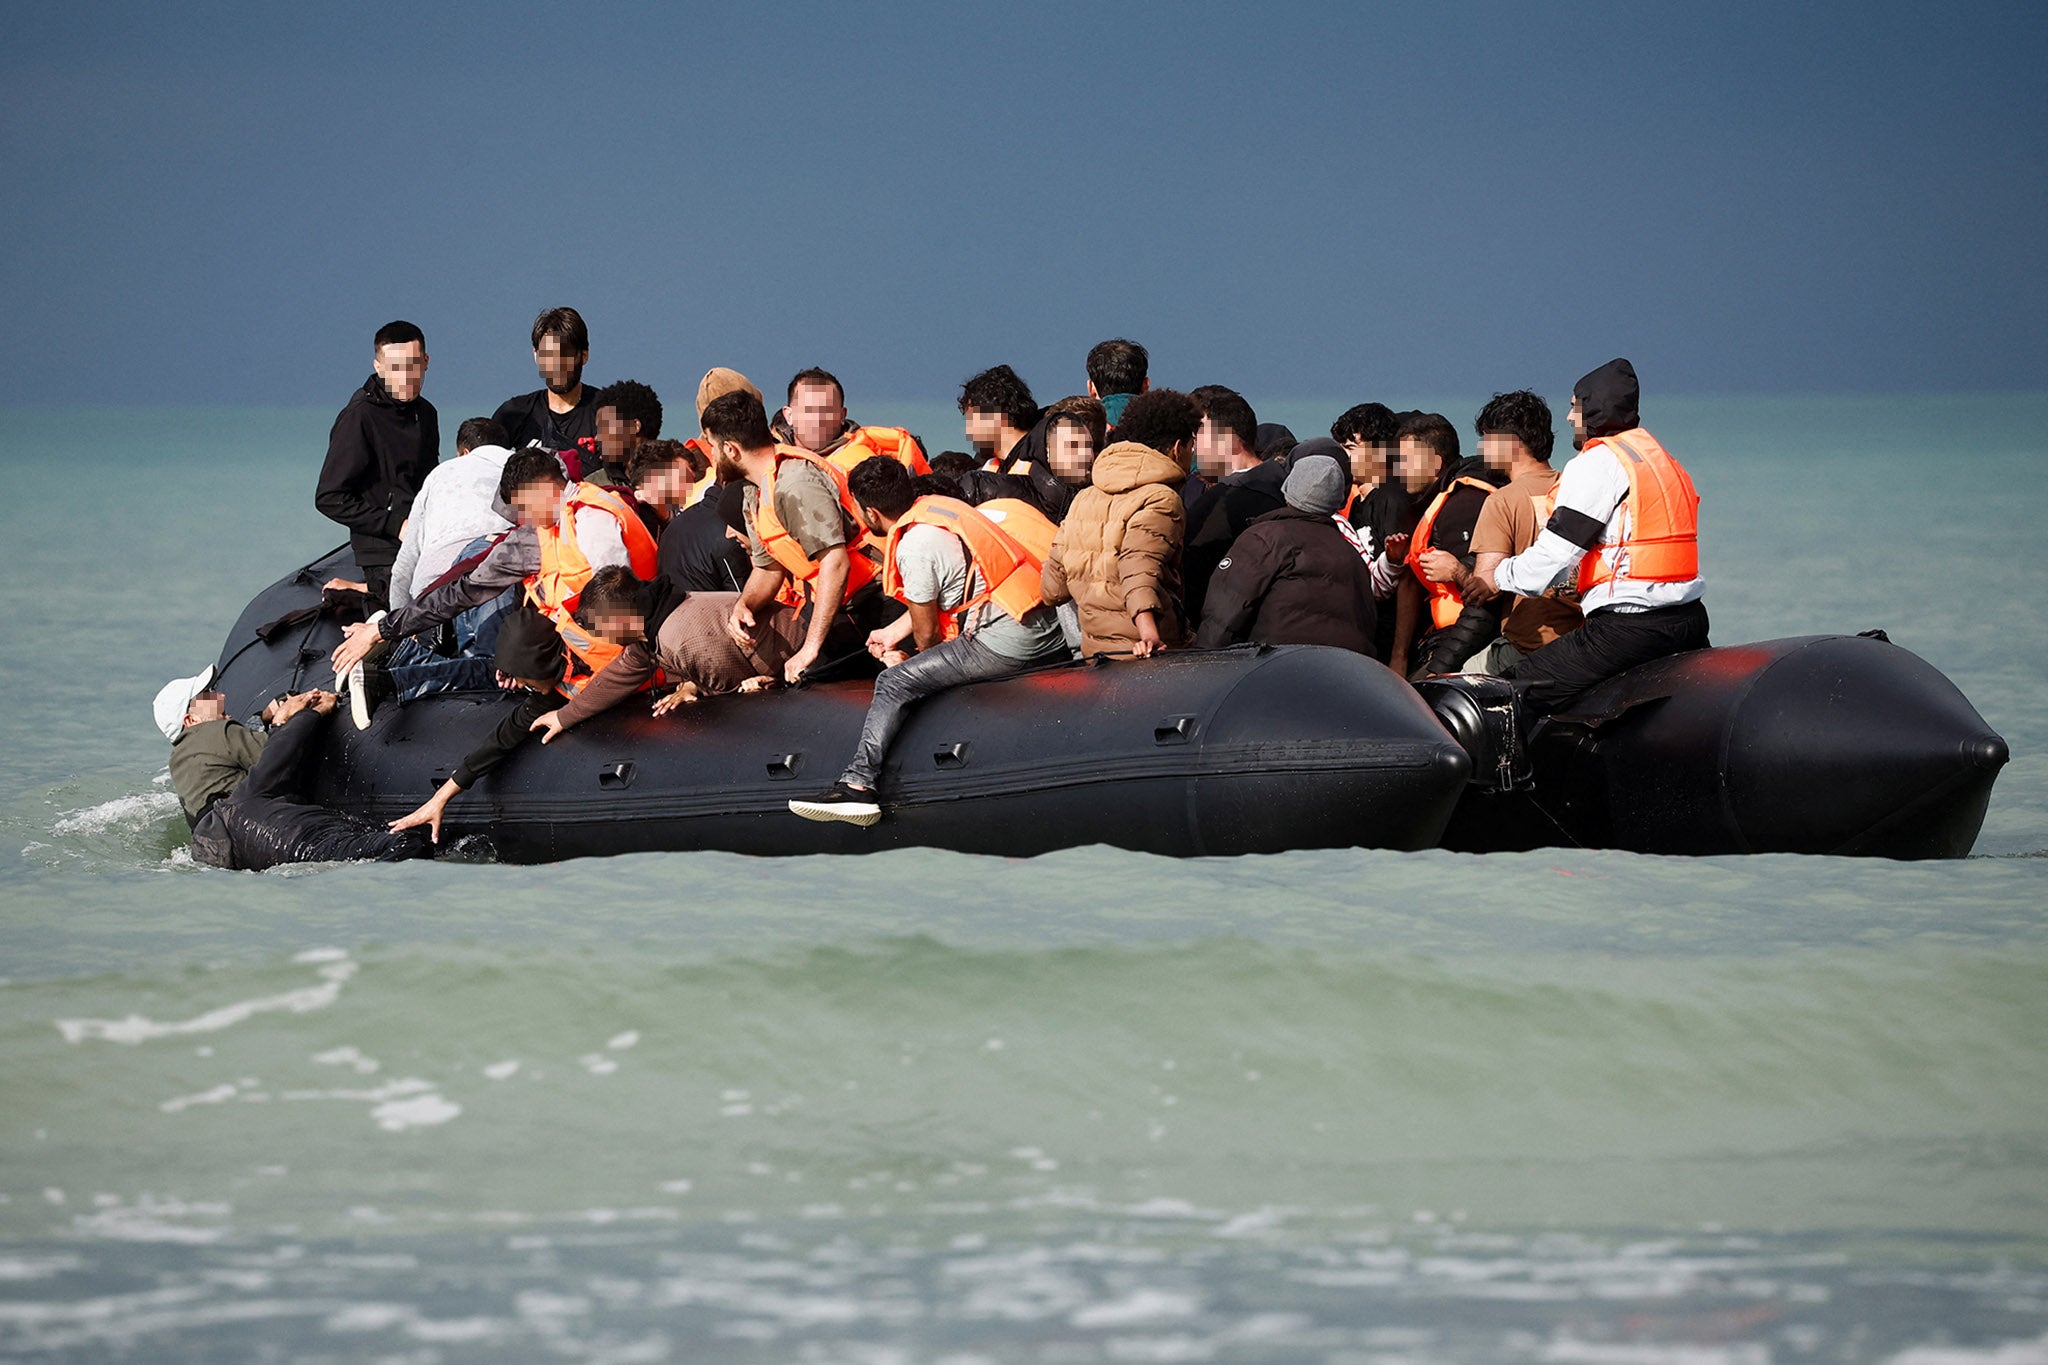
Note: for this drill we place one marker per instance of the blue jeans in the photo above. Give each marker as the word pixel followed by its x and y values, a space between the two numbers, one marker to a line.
pixel 417 671
pixel 476 630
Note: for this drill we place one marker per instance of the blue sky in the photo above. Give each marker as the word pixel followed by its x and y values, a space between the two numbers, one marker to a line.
pixel 220 204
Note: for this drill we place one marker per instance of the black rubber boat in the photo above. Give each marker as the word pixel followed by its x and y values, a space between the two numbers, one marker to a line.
pixel 1824 744
pixel 1241 751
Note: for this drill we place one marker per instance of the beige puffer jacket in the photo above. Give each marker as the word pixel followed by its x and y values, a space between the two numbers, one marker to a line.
pixel 1118 550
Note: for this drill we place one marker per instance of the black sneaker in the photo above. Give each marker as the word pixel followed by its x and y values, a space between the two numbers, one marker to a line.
pixel 369 686
pixel 850 805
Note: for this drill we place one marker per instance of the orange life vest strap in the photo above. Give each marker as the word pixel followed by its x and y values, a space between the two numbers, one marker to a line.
pixel 1446 603
pixel 781 544
pixel 999 548
pixel 898 444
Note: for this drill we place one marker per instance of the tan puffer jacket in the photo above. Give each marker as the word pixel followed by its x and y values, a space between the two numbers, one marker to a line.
pixel 1118 550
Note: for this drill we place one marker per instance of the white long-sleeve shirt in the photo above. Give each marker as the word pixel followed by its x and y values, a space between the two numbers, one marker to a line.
pixel 1595 485
pixel 453 508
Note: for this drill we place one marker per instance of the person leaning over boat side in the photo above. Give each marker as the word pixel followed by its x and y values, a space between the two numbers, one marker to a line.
pixel 563 410
pixel 1628 518
pixel 566 532
pixel 1246 486
pixel 1118 371
pixel 380 450
pixel 1515 439
pixel 953 566
pixel 242 792
pixel 805 540
pixel 1456 488
pixel 1117 554
pixel 1295 577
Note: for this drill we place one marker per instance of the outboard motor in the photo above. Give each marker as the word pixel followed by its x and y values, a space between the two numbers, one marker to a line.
pixel 1482 714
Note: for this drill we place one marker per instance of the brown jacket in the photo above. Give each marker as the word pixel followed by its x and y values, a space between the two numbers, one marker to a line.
pixel 1118 550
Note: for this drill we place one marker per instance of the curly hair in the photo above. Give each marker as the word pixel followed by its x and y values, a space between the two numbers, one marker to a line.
pixel 1521 414
pixel 633 401
pixel 1001 390
pixel 1161 419
pixel 1372 423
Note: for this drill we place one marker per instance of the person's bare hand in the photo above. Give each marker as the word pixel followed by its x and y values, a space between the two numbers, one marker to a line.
pixel 1397 547
pixel 1439 566
pixel 759 683
pixel 549 725
pixel 429 814
pixel 320 701
pixel 739 624
pixel 880 642
pixel 686 694
pixel 345 585
pixel 356 643
pixel 893 657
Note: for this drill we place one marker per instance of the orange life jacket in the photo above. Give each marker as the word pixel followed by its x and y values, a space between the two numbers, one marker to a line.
pixel 895 442
pixel 1660 531
pixel 565 571
pixel 998 548
pixel 782 546
pixel 1446 603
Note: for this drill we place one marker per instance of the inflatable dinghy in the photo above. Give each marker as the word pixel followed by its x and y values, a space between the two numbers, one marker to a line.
pixel 1820 745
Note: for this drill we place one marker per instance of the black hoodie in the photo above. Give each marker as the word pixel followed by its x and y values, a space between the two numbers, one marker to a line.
pixel 379 452
pixel 1609 399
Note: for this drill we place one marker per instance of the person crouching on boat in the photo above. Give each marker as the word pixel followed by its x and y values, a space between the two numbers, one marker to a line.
pixel 1627 516
pixel 805 540
pixel 565 533
pixel 970 579
pixel 1118 552
pixel 243 792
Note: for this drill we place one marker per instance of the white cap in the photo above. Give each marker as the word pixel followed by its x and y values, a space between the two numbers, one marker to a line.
pixel 176 698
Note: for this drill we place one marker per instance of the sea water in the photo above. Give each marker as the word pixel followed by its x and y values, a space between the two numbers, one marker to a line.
pixel 1094 1106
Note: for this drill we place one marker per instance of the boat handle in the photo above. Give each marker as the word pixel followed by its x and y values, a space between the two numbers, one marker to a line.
pixel 616 776
pixel 953 755
pixel 783 767
pixel 1174 730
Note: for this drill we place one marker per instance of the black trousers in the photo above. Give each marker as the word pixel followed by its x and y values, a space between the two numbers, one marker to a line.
pixel 263 822
pixel 1610 642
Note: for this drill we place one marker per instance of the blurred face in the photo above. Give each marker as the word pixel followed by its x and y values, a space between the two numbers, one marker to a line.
pixel 984 429
pixel 619 627
pixel 1498 450
pixel 616 438
pixel 725 457
pixel 1369 463
pixel 1577 417
pixel 816 413
pixel 403 368
pixel 1417 464
pixel 667 485
pixel 537 504
pixel 1213 449
pixel 1070 449
pixel 205 707
pixel 560 370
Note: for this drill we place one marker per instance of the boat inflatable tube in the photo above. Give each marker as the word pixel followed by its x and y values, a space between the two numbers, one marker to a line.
pixel 1249 750
pixel 1820 744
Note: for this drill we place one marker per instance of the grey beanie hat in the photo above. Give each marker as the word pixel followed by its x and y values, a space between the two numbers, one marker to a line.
pixel 1315 483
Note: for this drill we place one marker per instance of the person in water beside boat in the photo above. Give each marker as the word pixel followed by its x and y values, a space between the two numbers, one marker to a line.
pixel 1117 553
pixel 1627 518
pixel 563 411
pixel 969 580
pixel 243 793
pixel 1515 439
pixel 807 545
pixel 380 450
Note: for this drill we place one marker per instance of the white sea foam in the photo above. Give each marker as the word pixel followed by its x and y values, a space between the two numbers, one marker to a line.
pixel 421 1111
pixel 138 1029
pixel 123 812
pixel 1141 1306
pixel 502 1071
pixel 2033 1352
pixel 624 1040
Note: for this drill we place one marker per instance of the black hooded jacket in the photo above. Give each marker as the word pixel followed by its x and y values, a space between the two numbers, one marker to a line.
pixel 379 452
pixel 1219 517
pixel 1610 400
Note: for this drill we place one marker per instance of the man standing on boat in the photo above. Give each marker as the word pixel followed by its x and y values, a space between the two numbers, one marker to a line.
pixel 379 451
pixel 1627 517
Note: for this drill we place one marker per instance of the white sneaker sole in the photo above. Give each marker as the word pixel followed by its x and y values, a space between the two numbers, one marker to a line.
pixel 862 813
pixel 358 698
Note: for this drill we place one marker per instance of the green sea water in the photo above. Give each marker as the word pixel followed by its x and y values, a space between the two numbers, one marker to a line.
pixel 1094 1106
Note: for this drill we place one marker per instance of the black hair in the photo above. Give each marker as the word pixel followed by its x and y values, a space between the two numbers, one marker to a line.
pixel 1001 390
pixel 883 484
pixel 633 401
pixel 1372 423
pixel 1227 409
pixel 652 455
pixel 1521 414
pixel 611 591
pixel 1434 430
pixel 951 464
pixel 399 333
pixel 479 431
pixel 1118 366
pixel 814 375
pixel 738 417
pixel 528 467
pixel 1161 419
pixel 564 325
pixel 1082 409
pixel 936 485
